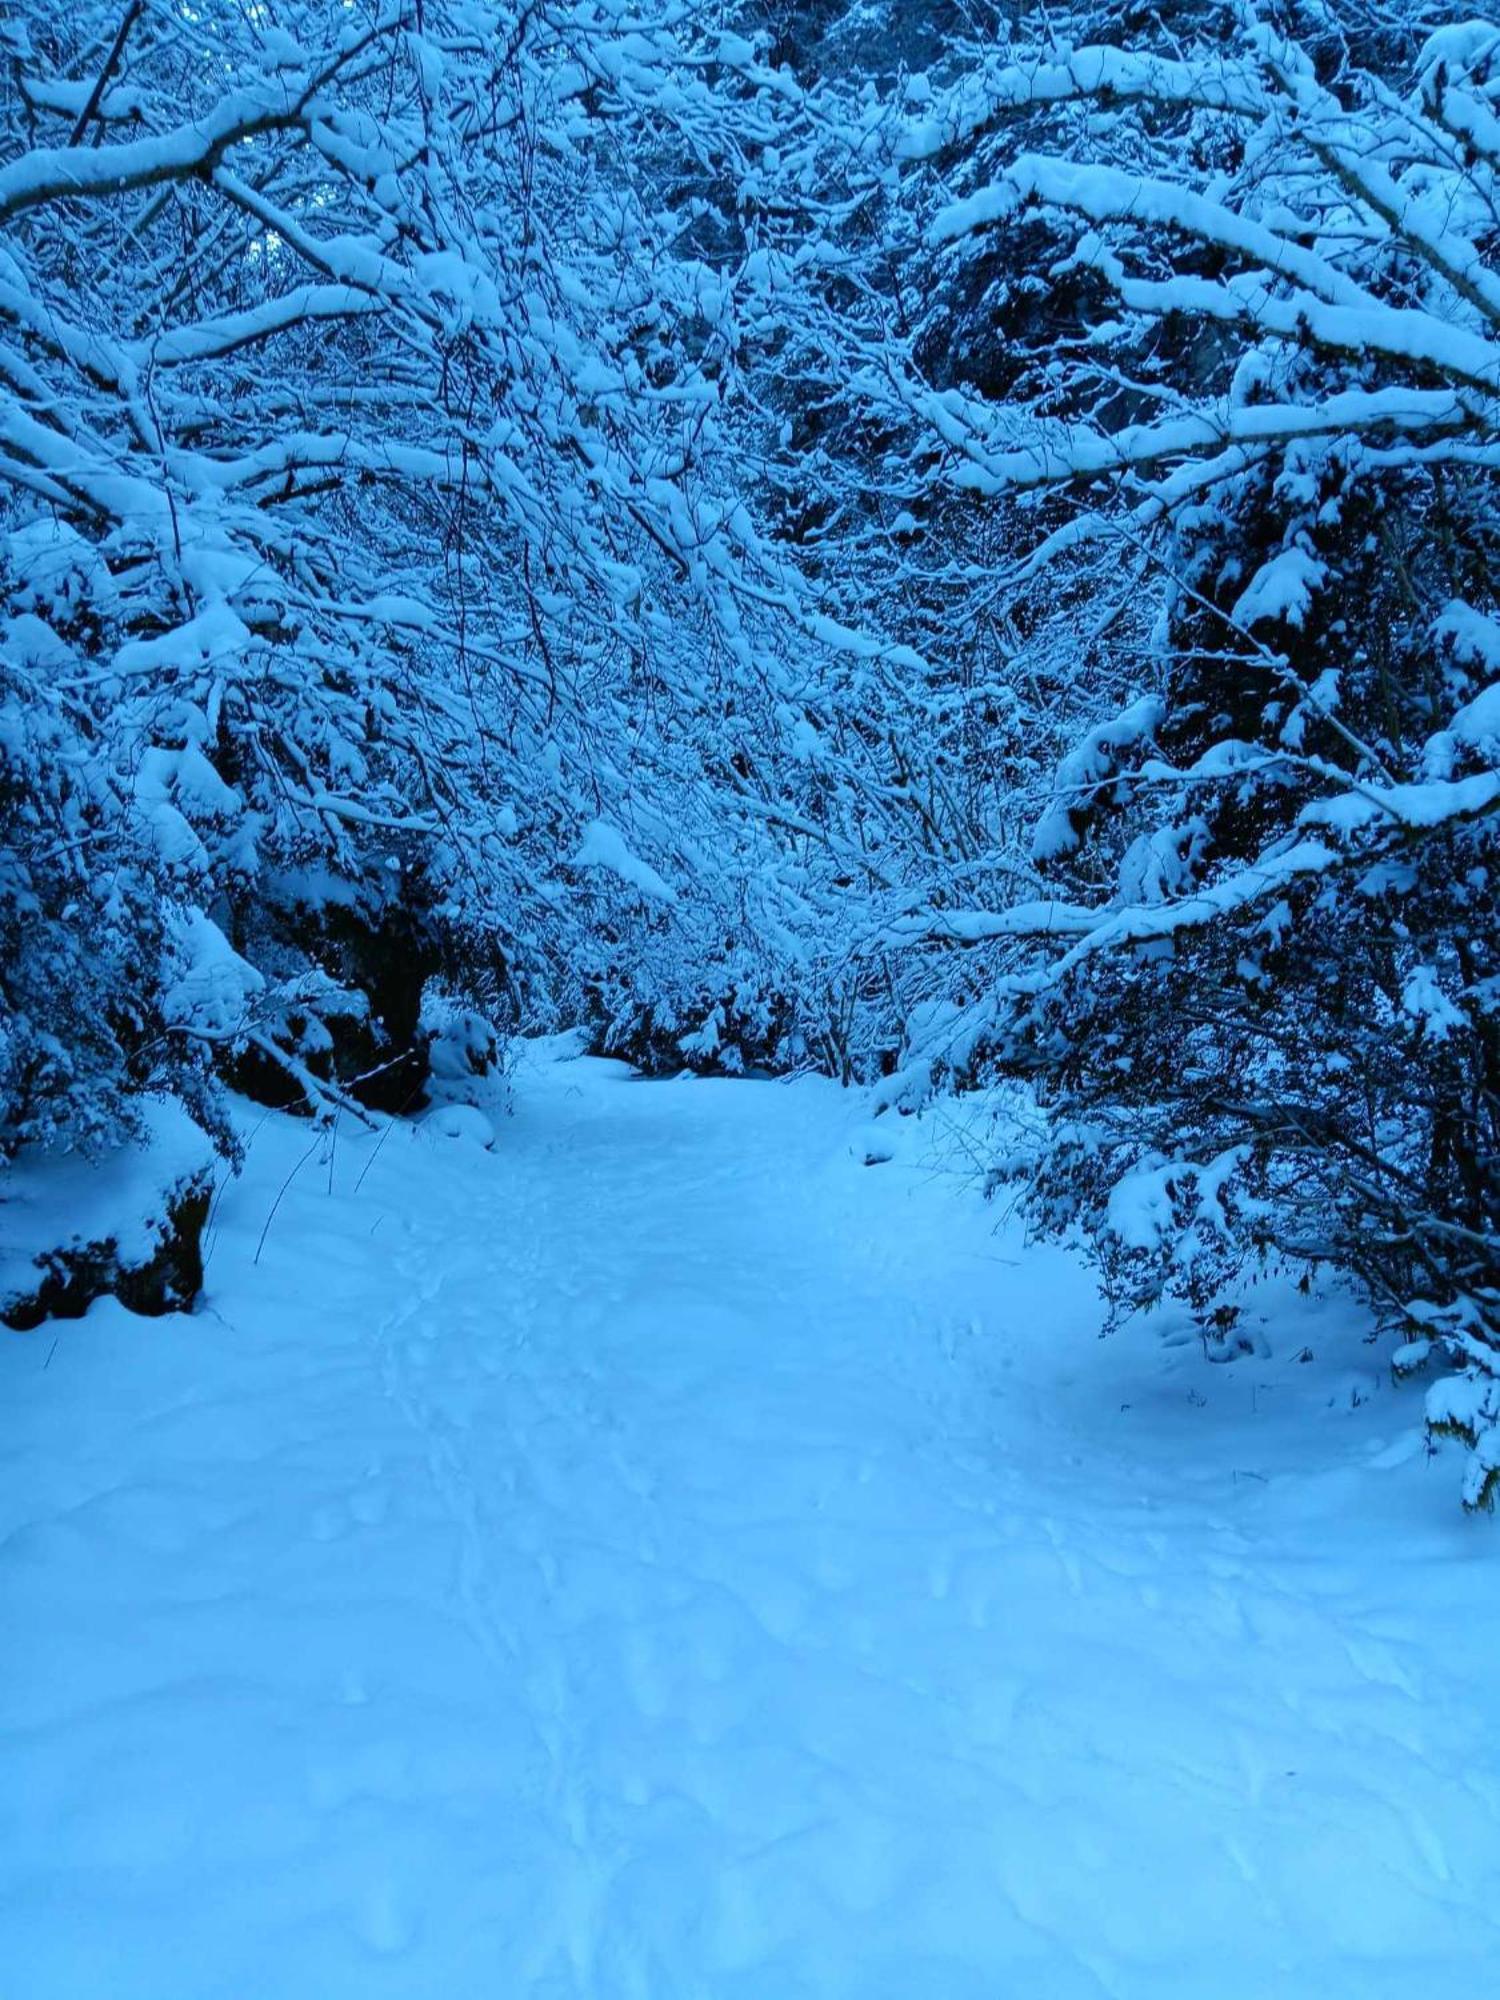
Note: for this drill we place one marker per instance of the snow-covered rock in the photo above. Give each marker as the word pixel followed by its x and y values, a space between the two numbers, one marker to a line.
pixel 73 1228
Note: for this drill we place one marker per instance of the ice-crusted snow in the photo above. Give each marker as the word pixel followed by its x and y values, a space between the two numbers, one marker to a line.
pixel 666 1557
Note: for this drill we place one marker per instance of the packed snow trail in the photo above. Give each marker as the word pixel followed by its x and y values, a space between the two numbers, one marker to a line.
pixel 666 1558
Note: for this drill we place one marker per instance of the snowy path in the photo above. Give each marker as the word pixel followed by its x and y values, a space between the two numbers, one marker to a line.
pixel 665 1559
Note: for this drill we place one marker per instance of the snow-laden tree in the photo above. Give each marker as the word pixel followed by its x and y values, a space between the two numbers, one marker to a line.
pixel 379 599
pixel 1258 991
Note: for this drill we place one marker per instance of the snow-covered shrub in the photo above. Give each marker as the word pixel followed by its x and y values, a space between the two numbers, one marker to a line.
pixel 87 942
pixel 732 1026
pixel 1255 981
pixel 466 1054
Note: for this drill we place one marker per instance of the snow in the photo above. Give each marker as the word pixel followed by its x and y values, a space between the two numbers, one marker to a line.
pixel 1140 1204
pixel 65 1201
pixel 460 1121
pixel 665 1557
pixel 1086 768
pixel 1424 1001
pixel 604 846
pixel 54 171
pixel 1472 636
pixel 214 986
pixel 1281 590
pixel 1478 722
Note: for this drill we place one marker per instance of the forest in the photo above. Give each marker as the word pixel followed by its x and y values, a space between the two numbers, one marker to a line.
pixel 933 550
pixel 952 549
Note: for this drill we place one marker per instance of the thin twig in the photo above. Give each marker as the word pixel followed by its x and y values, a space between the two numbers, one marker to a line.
pixel 85 117
pixel 317 1141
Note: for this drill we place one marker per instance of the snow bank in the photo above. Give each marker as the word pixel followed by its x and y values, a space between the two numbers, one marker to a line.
pixel 66 1220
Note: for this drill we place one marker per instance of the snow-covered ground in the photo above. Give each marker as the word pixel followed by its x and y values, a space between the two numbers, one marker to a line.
pixel 666 1557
